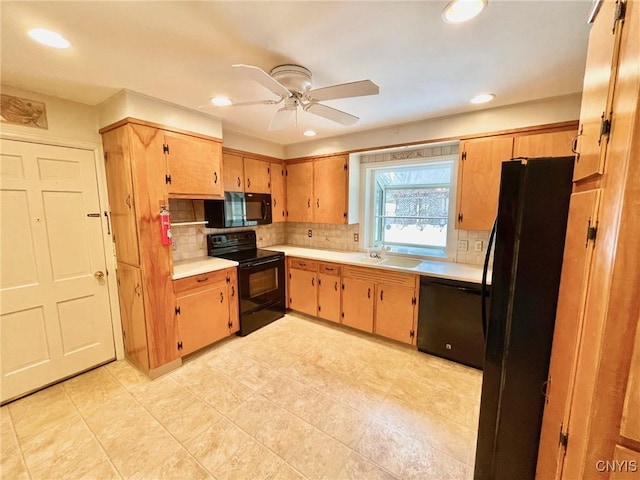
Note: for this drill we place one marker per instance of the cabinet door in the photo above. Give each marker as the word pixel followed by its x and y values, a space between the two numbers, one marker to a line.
pixel 203 317
pixel 479 181
pixel 596 92
pixel 395 312
pixel 573 283
pixel 277 192
pixel 329 297
pixel 299 192
pixel 134 332
pixel 123 216
pixel 553 144
pixel 330 184
pixel 233 172
pixel 256 176
pixel 357 303
pixel 194 165
pixel 303 291
pixel 630 427
pixel 234 302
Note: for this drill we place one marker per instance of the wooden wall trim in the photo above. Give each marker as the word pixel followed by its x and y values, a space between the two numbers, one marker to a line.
pixel 137 121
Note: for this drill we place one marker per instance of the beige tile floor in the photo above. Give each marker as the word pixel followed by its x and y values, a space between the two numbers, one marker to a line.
pixel 297 399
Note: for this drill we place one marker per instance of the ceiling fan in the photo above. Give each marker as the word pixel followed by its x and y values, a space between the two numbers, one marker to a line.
pixel 292 83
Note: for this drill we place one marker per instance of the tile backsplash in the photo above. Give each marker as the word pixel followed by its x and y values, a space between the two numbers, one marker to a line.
pixel 189 241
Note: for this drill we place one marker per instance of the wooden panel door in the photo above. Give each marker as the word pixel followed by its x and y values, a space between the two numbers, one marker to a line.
pixel 278 206
pixel 630 427
pixel 597 93
pixel 299 181
pixel 568 327
pixel 55 316
pixel 357 303
pixel 134 332
pixel 194 165
pixel 303 294
pixel 330 184
pixel 234 300
pixel 233 172
pixel 395 312
pixel 256 176
pixel 479 181
pixel 121 199
pixel 329 287
pixel 203 317
pixel 552 144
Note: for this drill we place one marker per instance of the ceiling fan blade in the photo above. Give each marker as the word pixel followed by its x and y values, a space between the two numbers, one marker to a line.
pixel 240 104
pixel 333 114
pixel 344 90
pixel 281 118
pixel 263 78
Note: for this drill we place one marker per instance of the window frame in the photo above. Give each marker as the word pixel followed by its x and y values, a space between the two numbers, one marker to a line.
pixel 367 226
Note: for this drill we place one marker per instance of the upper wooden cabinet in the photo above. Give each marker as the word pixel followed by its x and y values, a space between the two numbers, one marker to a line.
pixel 194 165
pixel 318 190
pixel 278 204
pixel 479 180
pixel 551 144
pixel 243 173
pixel 597 91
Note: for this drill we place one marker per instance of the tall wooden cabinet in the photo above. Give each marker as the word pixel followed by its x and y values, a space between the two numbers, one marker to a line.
pixel 299 182
pixel 278 203
pixel 592 387
pixel 143 169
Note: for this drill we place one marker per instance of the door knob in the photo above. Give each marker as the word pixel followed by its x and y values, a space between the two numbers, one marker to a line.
pixel 99 275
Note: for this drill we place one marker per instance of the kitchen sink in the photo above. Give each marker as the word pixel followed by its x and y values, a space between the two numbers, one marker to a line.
pixel 368 260
pixel 400 262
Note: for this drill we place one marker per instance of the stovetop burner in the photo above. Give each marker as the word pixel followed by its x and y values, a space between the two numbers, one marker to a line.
pixel 237 246
pixel 249 255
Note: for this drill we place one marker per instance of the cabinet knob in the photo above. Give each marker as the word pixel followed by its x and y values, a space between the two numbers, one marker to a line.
pixel 215 177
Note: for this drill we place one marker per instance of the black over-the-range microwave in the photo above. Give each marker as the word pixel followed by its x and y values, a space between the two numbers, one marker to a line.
pixel 238 209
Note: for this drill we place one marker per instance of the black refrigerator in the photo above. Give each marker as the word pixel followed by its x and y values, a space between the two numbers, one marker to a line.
pixel 529 244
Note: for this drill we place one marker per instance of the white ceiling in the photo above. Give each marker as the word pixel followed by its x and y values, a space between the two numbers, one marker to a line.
pixel 182 52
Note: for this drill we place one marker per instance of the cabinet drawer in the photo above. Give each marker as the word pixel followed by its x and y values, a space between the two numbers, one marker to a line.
pixel 202 280
pixel 329 269
pixel 303 264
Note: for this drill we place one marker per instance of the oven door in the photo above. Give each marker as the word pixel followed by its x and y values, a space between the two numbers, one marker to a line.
pixel 261 284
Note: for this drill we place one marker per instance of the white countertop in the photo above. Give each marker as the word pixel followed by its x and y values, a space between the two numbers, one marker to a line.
pixel 196 266
pixel 432 268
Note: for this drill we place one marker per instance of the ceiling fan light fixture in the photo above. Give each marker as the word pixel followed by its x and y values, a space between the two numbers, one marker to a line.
pixel 483 98
pixel 459 11
pixel 49 38
pixel 309 133
pixel 221 101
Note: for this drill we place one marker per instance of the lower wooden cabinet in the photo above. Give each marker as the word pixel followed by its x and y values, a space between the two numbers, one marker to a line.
pixel 303 285
pixel 206 309
pixel 329 289
pixel 395 312
pixel 134 333
pixel 358 297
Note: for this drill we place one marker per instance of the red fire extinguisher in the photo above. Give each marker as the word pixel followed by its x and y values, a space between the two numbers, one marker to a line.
pixel 165 225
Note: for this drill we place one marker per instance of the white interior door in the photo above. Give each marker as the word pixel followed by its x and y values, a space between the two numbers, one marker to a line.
pixel 55 317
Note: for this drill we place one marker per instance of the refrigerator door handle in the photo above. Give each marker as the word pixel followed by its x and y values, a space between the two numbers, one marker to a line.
pixel 483 288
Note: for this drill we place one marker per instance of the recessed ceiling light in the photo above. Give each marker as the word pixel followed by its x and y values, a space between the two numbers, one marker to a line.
pixel 221 101
pixel 483 98
pixel 309 133
pixel 48 37
pixel 459 11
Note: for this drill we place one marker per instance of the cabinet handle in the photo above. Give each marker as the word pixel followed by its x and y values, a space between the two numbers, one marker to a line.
pixel 238 181
pixel 138 290
pixel 308 203
pixel 329 269
pixel 275 202
pixel 313 281
pixel 318 202
pixel 221 297
pixel 128 201
pixel 368 293
pixel 248 182
pixel 200 280
pixel 319 282
pixel 302 264
pixel 336 286
pixel 381 294
pixel 215 177
pixel 233 290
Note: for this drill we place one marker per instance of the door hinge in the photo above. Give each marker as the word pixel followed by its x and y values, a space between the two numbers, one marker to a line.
pixel 319 308
pixel 230 324
pixel 179 345
pixel 167 179
pixel 289 275
pixel 460 217
pixel 605 127
pixel 342 314
pixel 412 333
pixel 621 9
pixel 165 148
pixel 346 167
pixel 344 214
pixel 413 301
pixel 592 232
pixel 177 310
pixel 563 439
pixel 464 156
pixel 228 279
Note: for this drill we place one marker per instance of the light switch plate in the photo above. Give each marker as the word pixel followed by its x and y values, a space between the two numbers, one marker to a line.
pixel 463 245
pixel 478 245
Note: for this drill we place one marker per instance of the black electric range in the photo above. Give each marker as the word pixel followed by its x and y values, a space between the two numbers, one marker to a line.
pixel 261 278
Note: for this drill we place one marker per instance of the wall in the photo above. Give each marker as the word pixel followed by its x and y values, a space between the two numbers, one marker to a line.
pixel 245 143
pixel 551 110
